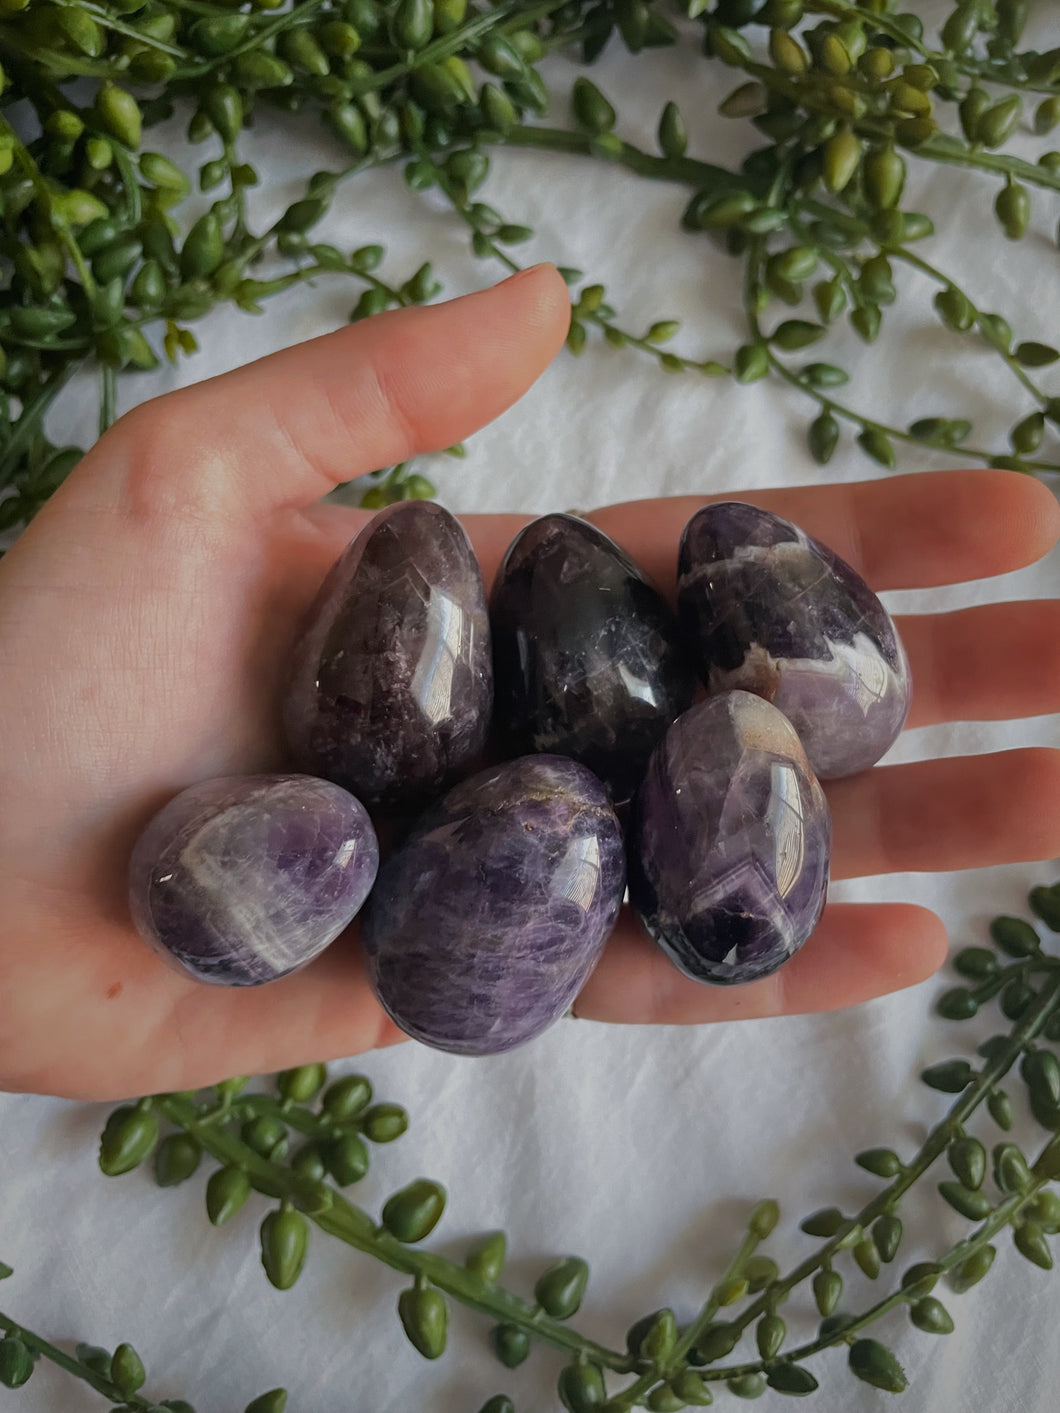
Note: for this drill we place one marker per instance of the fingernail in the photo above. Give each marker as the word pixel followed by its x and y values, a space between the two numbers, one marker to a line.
pixel 530 270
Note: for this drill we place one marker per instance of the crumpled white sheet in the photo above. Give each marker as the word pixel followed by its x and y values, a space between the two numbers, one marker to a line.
pixel 640 1148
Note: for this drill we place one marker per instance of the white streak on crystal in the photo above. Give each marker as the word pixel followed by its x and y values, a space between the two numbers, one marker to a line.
pixel 787 826
pixel 234 887
pixel 432 683
pixel 578 875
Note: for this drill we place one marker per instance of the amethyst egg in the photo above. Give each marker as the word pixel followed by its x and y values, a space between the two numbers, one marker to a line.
pixel 243 879
pixel 392 683
pixel 769 610
pixel 487 920
pixel 730 841
pixel 587 659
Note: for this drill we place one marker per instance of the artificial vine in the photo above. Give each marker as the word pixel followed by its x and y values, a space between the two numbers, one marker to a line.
pixel 302 1145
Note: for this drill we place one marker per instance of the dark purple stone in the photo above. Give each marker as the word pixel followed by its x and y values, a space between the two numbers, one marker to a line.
pixel 243 879
pixel 767 609
pixel 730 842
pixel 392 685
pixel 486 922
pixel 586 652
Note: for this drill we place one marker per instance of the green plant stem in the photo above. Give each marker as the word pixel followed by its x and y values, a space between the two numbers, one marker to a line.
pixel 733 1271
pixel 688 171
pixel 951 151
pixel 107 398
pixel 106 20
pixel 883 24
pixel 1000 1217
pixel 826 401
pixel 351 1224
pixel 917 262
pixel 71 1365
pixel 938 1140
pixel 302 14
pixel 32 416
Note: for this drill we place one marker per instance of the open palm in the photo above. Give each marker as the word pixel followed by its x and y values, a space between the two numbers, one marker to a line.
pixel 145 619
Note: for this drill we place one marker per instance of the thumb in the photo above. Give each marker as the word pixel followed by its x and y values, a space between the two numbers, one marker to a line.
pixel 283 431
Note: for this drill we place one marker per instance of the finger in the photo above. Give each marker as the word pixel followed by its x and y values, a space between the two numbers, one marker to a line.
pixel 984 664
pixel 856 952
pixel 285 430
pixel 902 533
pixel 963 812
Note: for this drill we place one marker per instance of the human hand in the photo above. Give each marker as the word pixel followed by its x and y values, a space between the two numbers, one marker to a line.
pixel 146 614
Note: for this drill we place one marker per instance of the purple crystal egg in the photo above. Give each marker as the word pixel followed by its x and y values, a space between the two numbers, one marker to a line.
pixel 730 841
pixel 243 879
pixel 392 685
pixel 586 653
pixel 769 610
pixel 486 922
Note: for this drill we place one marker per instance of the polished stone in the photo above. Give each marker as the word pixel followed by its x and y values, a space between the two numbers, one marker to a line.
pixel 486 922
pixel 586 652
pixel 767 609
pixel 730 842
pixel 392 684
pixel 243 879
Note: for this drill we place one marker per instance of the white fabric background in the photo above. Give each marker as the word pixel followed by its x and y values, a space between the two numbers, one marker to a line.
pixel 643 1148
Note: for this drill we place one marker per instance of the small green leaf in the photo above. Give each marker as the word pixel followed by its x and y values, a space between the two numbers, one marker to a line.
pixel 825 1222
pixel 792 1379
pixel 866 322
pixel 978 963
pixel 823 437
pixel 763 1219
pixel 576 336
pixel 957 1004
pixel 747 1385
pixel 824 375
pixel 1036 355
pixel 1026 436
pixel 424 1317
pixel 1015 936
pixel 284 1239
pixel 581 1388
pixel 967 1158
pixel 662 331
pixel 1000 1109
pixel 868 1257
pixel 887 1234
pixel 1045 903
pixel 874 1364
pixel 510 1343
pixel 750 363
pixel 383 1123
pixel 1031 1244
pixel 16 1362
pixel 127 1370
pixel 883 1162
pixel 560 1290
pixel 972 1270
pixel 794 334
pixel 920 1278
pixel 874 443
pixel 827 1289
pixel 485 1259
pixel 931 1316
pixel 975 1205
pixel 996 330
pixel 412 1213
pixel 949 1077
pixel 275 1401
